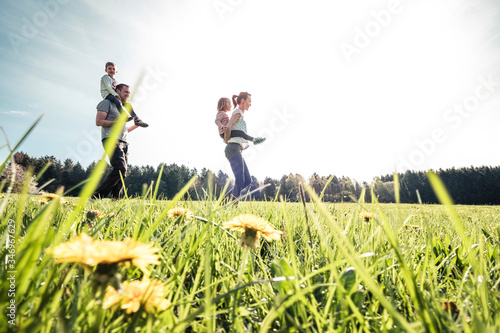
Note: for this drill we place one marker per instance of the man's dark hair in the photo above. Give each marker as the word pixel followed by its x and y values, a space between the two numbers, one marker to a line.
pixel 121 85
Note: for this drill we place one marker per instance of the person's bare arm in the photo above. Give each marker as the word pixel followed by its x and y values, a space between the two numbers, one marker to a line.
pixel 100 119
pixel 131 128
pixel 233 119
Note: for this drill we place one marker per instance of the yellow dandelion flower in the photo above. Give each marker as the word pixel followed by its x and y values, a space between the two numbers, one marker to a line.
pixel 141 255
pixel 252 228
pixel 49 196
pixel 180 211
pixel 112 297
pixel 74 251
pixel 137 292
pixel 46 197
pixel 156 299
pixel 86 251
pixel 133 295
pixel 366 216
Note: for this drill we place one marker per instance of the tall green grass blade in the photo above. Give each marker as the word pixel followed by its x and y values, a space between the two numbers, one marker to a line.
pixel 349 252
pixel 396 188
pixel 24 137
pixel 155 195
pixel 443 197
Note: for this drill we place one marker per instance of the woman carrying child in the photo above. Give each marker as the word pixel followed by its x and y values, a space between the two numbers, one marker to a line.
pixel 238 139
pixel 222 121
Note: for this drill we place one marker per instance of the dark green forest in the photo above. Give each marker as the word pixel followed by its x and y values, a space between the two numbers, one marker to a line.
pixel 468 186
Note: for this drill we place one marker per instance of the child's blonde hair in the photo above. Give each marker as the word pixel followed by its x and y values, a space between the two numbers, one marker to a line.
pixel 223 101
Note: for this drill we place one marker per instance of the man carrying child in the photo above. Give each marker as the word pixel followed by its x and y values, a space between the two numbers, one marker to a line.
pixel 108 91
pixel 107 115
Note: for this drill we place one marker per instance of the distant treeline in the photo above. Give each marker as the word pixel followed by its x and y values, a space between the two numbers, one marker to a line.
pixel 473 185
pixel 467 186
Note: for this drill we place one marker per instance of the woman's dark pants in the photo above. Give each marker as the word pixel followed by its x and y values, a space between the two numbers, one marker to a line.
pixel 240 170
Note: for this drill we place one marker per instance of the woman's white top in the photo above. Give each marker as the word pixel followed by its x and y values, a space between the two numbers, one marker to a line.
pixel 241 125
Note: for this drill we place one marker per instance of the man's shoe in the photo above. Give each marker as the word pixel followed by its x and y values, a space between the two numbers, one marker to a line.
pixel 257 141
pixel 140 123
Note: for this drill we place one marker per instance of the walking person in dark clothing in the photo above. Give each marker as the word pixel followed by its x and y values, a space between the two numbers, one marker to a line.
pixel 107 114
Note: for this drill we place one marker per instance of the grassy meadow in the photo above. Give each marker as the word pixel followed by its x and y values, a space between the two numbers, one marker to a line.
pixel 355 267
pixel 151 265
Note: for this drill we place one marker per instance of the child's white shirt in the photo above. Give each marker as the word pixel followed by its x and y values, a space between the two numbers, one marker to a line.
pixel 108 86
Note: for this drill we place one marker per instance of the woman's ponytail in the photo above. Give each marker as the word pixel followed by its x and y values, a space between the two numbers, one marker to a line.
pixel 235 100
pixel 238 98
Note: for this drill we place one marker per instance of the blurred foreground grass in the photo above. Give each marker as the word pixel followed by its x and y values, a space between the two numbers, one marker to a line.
pixel 350 267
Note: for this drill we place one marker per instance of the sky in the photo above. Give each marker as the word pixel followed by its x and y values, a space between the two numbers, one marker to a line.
pixel 347 88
